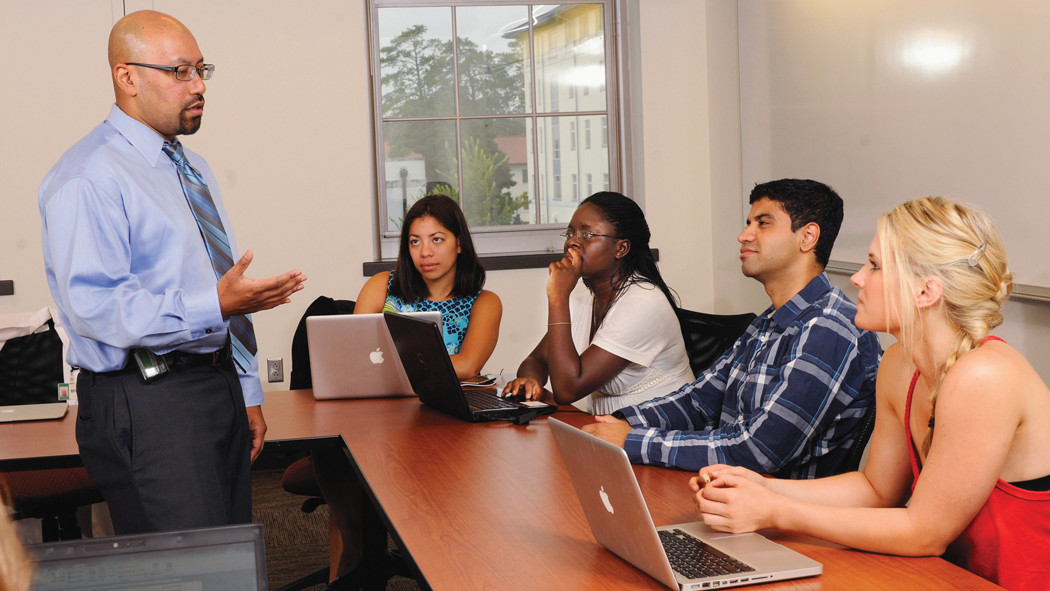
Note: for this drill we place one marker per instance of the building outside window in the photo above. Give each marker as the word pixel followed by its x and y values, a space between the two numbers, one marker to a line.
pixel 461 110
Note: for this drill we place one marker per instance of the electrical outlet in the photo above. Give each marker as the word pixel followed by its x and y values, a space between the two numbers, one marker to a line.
pixel 275 370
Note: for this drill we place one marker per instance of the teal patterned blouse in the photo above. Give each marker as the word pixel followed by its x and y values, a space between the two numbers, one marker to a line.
pixel 455 314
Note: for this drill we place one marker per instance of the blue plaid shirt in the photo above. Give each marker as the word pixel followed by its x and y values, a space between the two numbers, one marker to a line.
pixel 787 399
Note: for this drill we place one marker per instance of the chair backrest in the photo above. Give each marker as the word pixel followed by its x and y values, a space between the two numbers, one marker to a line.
pixel 31 368
pixel 301 377
pixel 707 336
pixel 856 453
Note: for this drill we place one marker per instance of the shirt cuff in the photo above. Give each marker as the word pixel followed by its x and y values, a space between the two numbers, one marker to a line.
pixel 251 388
pixel 633 445
pixel 203 313
pixel 632 415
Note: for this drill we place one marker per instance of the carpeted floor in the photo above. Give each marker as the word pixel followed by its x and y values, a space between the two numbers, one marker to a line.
pixel 296 542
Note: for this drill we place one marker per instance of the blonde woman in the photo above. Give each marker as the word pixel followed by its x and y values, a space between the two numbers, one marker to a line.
pixel 960 458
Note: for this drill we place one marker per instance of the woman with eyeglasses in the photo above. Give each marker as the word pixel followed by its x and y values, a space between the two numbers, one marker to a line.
pixel 613 335
pixel 959 462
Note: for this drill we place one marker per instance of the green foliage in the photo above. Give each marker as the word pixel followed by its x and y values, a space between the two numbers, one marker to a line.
pixel 418 82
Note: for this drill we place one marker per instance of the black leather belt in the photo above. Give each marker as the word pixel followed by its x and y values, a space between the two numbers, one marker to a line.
pixel 181 359
pixel 174 360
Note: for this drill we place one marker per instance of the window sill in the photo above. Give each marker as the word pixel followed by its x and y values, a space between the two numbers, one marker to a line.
pixel 491 262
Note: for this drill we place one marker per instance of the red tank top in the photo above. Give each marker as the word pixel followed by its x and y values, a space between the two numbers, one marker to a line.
pixel 1008 542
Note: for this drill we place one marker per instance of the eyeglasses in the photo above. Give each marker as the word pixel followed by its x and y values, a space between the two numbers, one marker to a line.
pixel 584 235
pixel 184 72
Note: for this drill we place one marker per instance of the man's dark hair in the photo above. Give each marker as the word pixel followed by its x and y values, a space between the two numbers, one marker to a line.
pixel 807 201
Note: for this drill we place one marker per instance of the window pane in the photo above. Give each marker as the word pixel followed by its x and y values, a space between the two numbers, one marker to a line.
pixel 563 169
pixel 495 166
pixel 420 159
pixel 415 58
pixel 500 105
pixel 570 54
pixel 491 61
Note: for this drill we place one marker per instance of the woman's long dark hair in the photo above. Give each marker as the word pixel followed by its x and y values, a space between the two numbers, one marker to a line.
pixel 408 284
pixel 629 223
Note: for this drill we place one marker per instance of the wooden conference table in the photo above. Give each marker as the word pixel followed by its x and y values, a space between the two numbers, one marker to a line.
pixel 490 505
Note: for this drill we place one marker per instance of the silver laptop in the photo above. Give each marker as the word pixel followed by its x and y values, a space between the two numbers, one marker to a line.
pixel 33 412
pixel 352 356
pixel 227 558
pixel 608 490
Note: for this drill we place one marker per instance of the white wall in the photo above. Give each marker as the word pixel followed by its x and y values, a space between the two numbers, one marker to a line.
pixel 1027 323
pixel 293 152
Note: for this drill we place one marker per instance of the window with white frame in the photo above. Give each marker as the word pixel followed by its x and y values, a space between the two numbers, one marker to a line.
pixel 474 100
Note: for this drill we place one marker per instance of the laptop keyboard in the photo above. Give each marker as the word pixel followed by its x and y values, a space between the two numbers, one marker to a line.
pixel 694 559
pixel 484 401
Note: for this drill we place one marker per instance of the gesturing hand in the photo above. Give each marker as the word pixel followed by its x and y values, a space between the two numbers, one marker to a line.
pixel 243 295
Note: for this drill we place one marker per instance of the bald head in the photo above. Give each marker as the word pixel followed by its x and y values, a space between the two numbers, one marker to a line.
pixel 134 35
pixel 144 48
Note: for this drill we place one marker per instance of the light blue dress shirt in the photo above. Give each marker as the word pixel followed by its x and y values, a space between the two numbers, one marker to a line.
pixel 124 257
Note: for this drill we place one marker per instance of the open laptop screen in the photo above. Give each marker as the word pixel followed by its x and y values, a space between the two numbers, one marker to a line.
pixel 222 558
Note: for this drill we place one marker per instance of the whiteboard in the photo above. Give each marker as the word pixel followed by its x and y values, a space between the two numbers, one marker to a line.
pixel 891 100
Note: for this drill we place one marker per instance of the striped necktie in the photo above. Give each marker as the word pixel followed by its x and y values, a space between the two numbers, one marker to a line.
pixel 242 335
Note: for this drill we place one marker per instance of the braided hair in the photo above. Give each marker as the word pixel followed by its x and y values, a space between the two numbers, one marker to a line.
pixel 960 245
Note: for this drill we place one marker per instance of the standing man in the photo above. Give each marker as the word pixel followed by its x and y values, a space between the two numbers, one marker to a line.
pixel 790 395
pixel 139 258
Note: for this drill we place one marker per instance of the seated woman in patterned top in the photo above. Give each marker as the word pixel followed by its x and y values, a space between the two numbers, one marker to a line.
pixel 438 270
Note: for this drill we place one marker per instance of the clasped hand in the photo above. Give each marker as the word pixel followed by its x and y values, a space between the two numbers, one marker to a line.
pixel 242 295
pixel 733 499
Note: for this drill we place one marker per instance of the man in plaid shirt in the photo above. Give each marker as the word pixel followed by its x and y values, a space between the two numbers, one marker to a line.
pixel 789 397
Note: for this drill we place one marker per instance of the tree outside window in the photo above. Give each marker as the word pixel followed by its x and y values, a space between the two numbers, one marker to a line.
pixel 459 115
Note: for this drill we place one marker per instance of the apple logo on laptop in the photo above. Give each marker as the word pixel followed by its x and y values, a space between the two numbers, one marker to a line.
pixel 605 500
pixel 376 357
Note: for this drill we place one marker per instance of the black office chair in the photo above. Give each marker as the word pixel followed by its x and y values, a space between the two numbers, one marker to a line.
pixel 30 371
pixel 301 377
pixel 707 336
pixel 856 453
pixel 298 478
